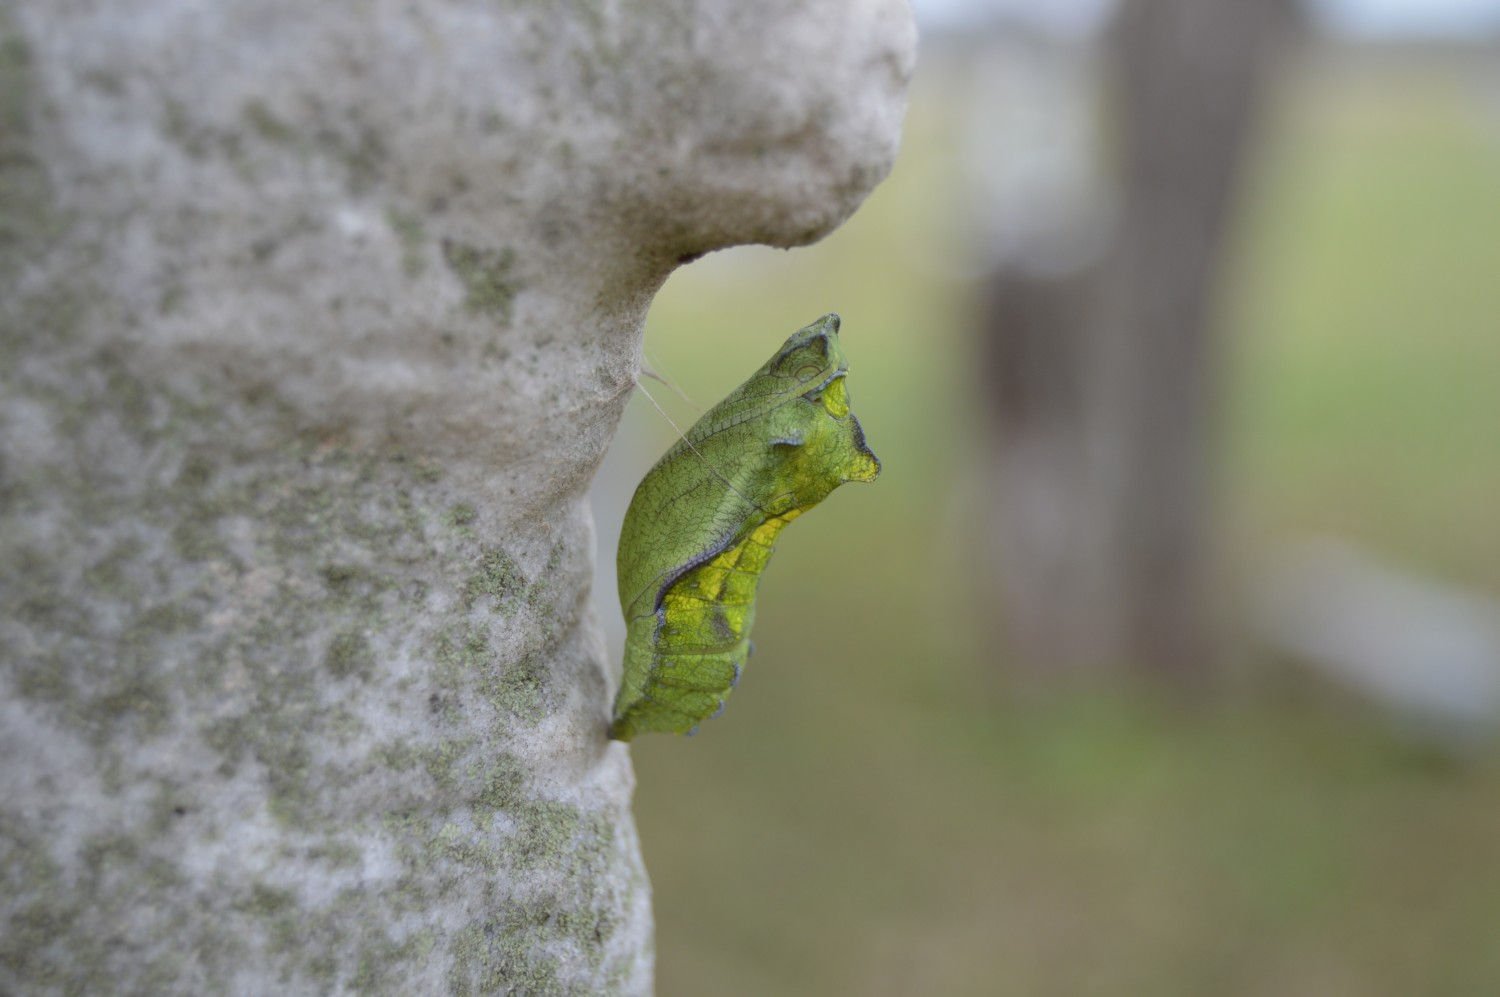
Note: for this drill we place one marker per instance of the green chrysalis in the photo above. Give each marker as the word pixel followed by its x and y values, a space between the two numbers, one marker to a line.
pixel 703 522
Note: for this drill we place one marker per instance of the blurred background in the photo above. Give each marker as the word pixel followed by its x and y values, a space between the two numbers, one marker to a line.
pixel 1164 657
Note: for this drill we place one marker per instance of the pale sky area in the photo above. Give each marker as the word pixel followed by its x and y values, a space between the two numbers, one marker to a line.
pixel 1358 18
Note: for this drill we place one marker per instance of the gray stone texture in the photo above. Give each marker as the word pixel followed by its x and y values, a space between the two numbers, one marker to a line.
pixel 315 320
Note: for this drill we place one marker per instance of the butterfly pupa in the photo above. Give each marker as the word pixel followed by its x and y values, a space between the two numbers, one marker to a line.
pixel 704 521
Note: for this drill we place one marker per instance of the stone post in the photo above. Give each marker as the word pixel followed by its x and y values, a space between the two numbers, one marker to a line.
pixel 315 320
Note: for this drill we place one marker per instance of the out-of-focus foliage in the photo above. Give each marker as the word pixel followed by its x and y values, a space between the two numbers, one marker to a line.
pixel 882 813
pixel 1368 316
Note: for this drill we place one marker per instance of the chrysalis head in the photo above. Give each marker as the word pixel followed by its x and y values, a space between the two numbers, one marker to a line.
pixel 832 447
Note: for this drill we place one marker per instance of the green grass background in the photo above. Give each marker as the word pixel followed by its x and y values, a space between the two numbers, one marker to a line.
pixel 881 811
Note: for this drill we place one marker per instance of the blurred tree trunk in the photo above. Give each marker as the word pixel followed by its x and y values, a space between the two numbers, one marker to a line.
pixel 1105 382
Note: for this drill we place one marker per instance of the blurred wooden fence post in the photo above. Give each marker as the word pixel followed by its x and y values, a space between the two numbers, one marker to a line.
pixel 1105 381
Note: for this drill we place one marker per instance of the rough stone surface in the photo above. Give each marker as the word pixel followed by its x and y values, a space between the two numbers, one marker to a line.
pixel 315 320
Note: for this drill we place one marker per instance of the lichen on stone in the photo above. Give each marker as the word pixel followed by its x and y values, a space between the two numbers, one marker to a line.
pixel 488 277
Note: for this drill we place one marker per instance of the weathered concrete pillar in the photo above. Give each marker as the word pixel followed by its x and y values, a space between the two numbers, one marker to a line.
pixel 315 320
